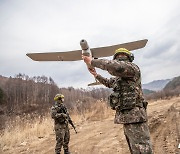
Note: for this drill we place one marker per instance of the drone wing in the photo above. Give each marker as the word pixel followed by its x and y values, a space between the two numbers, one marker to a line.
pixel 56 56
pixel 76 55
pixel 109 50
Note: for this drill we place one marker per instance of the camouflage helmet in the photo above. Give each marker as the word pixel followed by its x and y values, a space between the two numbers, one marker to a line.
pixel 126 52
pixel 58 97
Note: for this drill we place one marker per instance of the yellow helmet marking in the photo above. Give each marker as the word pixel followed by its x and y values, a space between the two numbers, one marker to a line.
pixel 58 96
pixel 123 50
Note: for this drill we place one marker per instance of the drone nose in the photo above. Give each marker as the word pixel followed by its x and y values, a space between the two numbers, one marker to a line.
pixel 84 44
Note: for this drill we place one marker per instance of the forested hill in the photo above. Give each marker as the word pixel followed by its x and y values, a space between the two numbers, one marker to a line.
pixel 173 85
pixel 171 89
pixel 24 94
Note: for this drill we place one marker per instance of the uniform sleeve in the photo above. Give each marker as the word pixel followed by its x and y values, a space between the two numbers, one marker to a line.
pixel 116 68
pixel 105 81
pixel 54 113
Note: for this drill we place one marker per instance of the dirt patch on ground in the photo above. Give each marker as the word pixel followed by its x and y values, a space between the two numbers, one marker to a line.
pixel 105 137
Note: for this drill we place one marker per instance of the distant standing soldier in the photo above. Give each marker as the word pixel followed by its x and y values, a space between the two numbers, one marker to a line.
pixel 61 118
pixel 127 98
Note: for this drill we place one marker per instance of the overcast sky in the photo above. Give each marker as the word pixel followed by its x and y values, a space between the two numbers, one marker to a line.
pixel 59 25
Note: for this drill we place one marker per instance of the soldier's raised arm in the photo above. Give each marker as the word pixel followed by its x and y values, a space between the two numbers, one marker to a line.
pixel 105 81
pixel 114 67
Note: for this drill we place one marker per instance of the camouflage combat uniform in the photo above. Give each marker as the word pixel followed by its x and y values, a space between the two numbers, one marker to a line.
pixel 61 118
pixel 127 99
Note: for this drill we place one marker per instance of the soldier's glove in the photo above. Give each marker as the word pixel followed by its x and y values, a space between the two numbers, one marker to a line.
pixel 60 115
pixel 64 115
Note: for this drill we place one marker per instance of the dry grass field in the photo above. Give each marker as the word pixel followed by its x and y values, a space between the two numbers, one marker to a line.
pixel 97 133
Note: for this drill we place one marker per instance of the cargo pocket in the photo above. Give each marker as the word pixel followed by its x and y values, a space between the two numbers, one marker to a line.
pixel 114 100
pixel 128 98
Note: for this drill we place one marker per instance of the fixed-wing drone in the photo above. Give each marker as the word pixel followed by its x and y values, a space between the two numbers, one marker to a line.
pixel 86 51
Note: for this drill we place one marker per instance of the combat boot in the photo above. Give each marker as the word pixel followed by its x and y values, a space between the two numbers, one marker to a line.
pixel 66 151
